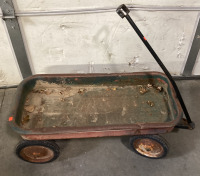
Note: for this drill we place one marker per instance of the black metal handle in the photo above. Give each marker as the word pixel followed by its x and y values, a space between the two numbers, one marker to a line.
pixel 123 11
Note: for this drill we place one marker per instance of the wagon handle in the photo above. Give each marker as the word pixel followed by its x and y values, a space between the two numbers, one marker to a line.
pixel 123 11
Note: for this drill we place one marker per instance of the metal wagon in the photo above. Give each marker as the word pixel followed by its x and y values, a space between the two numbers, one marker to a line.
pixel 64 106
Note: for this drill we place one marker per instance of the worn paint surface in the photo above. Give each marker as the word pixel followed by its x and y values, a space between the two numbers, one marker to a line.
pixel 9 73
pixel 101 133
pixel 87 129
pixel 105 43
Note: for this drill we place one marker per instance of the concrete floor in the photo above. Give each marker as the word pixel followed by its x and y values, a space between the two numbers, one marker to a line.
pixel 107 156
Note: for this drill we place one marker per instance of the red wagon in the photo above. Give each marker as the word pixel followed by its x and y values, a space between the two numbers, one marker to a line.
pixel 141 105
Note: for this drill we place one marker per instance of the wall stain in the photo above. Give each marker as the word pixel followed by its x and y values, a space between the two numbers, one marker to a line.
pixel 56 54
pixel 70 25
pixel 180 45
pixel 104 37
pixel 133 62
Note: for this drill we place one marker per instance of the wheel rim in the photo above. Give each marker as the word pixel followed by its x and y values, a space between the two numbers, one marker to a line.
pixel 37 154
pixel 148 147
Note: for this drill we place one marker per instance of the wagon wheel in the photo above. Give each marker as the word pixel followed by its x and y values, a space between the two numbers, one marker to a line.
pixel 150 146
pixel 37 151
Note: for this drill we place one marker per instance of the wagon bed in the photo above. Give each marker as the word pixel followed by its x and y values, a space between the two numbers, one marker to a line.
pixel 70 104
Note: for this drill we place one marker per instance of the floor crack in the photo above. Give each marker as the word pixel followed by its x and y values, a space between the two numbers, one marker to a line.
pixel 2 100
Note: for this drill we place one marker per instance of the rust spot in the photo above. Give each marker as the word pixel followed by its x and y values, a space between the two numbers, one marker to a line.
pixel 161 81
pixel 25 119
pixel 36 154
pixel 148 147
pixel 108 89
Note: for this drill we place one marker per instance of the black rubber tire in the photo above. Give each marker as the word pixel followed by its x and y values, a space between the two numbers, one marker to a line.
pixel 47 144
pixel 156 138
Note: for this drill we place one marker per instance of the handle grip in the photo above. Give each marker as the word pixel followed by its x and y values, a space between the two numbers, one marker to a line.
pixel 122 11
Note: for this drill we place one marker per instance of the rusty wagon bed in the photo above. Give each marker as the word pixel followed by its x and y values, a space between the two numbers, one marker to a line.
pixel 91 105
